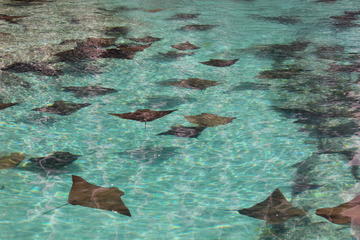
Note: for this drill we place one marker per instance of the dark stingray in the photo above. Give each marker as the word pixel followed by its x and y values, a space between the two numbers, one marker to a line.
pixel 208 119
pixel 165 102
pixel 345 213
pixel 6 105
pixel 175 54
pixel 143 115
pixel 89 91
pixel 198 27
pixel 89 195
pixel 40 68
pixel 83 51
pixel 99 42
pixel 133 47
pixel 185 46
pixel 220 62
pixel 184 16
pixel 10 19
pixel 147 39
pixel 193 83
pixel 278 19
pixel 285 73
pixel 118 53
pixel 150 154
pixel 304 180
pixel 281 52
pixel 182 131
pixel 251 86
pixel 274 210
pixel 55 160
pixel 25 3
pixel 333 52
pixel 121 31
pixel 11 160
pixel 345 68
pixel 62 107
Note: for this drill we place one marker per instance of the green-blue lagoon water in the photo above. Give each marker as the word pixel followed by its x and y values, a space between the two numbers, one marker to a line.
pixel 175 187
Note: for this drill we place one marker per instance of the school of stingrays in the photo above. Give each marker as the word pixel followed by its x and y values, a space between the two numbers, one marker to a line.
pixel 275 209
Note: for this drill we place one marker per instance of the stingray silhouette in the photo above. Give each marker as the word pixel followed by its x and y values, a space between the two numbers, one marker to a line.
pixel 121 31
pixel 39 68
pixel 143 115
pixel 209 120
pixel 89 91
pixel 62 107
pixel 11 161
pixel 274 210
pixel 182 131
pixel 89 195
pixel 6 105
pixel 345 213
pixel 185 46
pixel 184 16
pixel 54 160
pixel 147 39
pixel 220 62
pixel 193 83
pixel 10 19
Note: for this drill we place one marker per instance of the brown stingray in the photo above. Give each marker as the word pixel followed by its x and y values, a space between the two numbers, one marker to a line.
pixel 197 27
pixel 193 83
pixel 89 195
pixel 100 42
pixel 341 214
pixel 11 160
pixel 274 210
pixel 10 19
pixel 285 73
pixel 184 16
pixel 62 107
pixel 143 115
pixel 182 131
pixel 220 62
pixel 147 39
pixel 6 105
pixel 133 47
pixel 209 120
pixel 185 46
pixel 118 53
pixel 348 68
pixel 117 31
pixel 36 67
pixel 279 19
pixel 89 91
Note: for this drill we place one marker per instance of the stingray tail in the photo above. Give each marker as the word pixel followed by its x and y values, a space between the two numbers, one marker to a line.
pixel 63 205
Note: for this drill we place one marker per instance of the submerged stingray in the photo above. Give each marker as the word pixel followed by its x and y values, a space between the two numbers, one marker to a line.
pixel 184 16
pixel 185 46
pixel 197 27
pixel 345 68
pixel 344 213
pixel 133 47
pixel 10 19
pixel 62 107
pixel 89 91
pixel 209 120
pixel 279 19
pixel 274 210
pixel 332 52
pixel 100 42
pixel 147 39
pixel 11 160
pixel 89 195
pixel 6 105
pixel 143 115
pixel 193 83
pixel 117 31
pixel 118 53
pixel 40 68
pixel 55 160
pixel 220 62
pixel 175 54
pixel 182 131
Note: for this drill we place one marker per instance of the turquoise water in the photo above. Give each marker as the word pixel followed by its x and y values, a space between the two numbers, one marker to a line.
pixel 175 188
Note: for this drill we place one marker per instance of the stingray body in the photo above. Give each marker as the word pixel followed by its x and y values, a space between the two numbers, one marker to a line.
pixel 184 16
pixel 182 131
pixel 143 115
pixel 185 46
pixel 274 210
pixel 55 160
pixel 117 31
pixel 192 83
pixel 89 195
pixel 89 91
pixel 40 68
pixel 209 120
pixel 62 107
pixel 147 39
pixel 11 161
pixel 10 19
pixel 220 62
pixel 6 105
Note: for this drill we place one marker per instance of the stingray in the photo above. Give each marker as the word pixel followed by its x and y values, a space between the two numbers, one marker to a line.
pixel 11 161
pixel 150 154
pixel 117 31
pixel 345 68
pixel 209 120
pixel 197 27
pixel 175 54
pixel 182 131
pixel 220 62
pixel 89 91
pixel 285 73
pixel 143 115
pixel 89 195
pixel 331 52
pixel 251 86
pixel 54 160
pixel 279 19
pixel 185 46
pixel 343 213
pixel 118 53
pixel 147 39
pixel 100 42
pixel 184 16
pixel 6 105
pixel 10 19
pixel 40 68
pixel 82 51
pixel 133 47
pixel 193 83
pixel 274 210
pixel 62 107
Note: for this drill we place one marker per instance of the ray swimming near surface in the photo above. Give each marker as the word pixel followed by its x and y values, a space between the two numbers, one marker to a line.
pixel 62 107
pixel 55 160
pixel 220 62
pixel 182 131
pixel 89 91
pixel 209 120
pixel 192 83
pixel 11 160
pixel 143 115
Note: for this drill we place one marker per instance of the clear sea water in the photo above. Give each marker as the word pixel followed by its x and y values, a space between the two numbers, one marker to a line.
pixel 175 188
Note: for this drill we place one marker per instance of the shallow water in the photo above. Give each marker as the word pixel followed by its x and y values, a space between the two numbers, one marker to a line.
pixel 175 188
